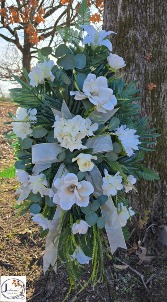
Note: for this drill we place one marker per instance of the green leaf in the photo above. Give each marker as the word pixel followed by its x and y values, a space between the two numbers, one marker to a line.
pixel 35 208
pixel 19 164
pixel 102 199
pixel 95 205
pixel 39 131
pixel 35 198
pixel 101 223
pixel 148 174
pixel 49 201
pixel 61 51
pixel 66 79
pixel 61 156
pixel 83 13
pixel 114 123
pixel 80 175
pixel 86 210
pixel 45 51
pixel 91 218
pixel 80 61
pixel 111 156
pixel 117 148
pixel 8 172
pixel 67 62
pixel 80 78
pixel 26 143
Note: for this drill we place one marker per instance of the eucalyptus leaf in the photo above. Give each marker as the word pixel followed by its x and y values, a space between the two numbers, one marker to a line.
pixel 114 123
pixel 35 198
pixel 67 62
pixel 101 223
pixel 80 175
pixel 111 156
pixel 80 61
pixel 66 79
pixel 91 218
pixel 26 143
pixel 117 148
pixel 61 51
pixel 95 205
pixel 35 208
pixel 102 199
pixel 39 132
pixel 86 210
pixel 19 164
pixel 49 201
pixel 80 78
pixel 45 51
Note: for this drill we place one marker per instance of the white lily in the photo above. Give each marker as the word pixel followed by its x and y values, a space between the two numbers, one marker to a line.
pixel 80 256
pixel 95 38
pixel 111 183
pixel 124 214
pixel 80 227
pixel 131 180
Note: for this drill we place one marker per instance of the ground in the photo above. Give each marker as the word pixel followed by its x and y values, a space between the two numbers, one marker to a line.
pixel 130 277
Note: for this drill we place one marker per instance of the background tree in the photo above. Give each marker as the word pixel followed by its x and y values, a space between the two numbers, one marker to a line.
pixel 27 22
pixel 141 41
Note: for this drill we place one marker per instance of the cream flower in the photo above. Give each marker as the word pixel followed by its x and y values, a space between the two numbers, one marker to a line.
pixel 70 132
pixel 111 184
pixel 98 93
pixel 124 214
pixel 131 180
pixel 80 256
pixel 38 184
pixel 84 161
pixel 41 72
pixel 70 191
pixel 128 138
pixel 116 61
pixel 80 227
pixel 95 38
pixel 22 122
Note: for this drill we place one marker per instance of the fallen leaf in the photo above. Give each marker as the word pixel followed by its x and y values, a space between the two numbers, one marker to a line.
pixel 142 255
pixel 121 267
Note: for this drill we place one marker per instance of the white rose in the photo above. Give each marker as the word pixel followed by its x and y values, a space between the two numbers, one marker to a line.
pixel 116 61
pixel 111 183
pixel 84 162
pixel 80 227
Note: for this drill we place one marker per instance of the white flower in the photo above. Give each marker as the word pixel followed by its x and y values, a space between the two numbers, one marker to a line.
pixel 42 221
pixel 111 184
pixel 41 72
pixel 22 177
pixel 70 132
pixel 23 193
pixel 128 138
pixel 124 214
pixel 22 122
pixel 98 93
pixel 80 227
pixel 84 162
pixel 80 256
pixel 21 129
pixel 116 61
pixel 95 38
pixel 131 180
pixel 38 184
pixel 70 191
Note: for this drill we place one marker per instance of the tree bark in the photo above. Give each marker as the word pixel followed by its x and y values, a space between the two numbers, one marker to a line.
pixel 141 28
pixel 26 52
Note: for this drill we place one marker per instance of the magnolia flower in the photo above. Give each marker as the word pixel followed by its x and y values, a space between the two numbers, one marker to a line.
pixel 98 93
pixel 22 122
pixel 116 61
pixel 131 180
pixel 38 184
pixel 70 191
pixel 42 221
pixel 84 162
pixel 69 133
pixel 124 214
pixel 128 138
pixel 80 227
pixel 111 184
pixel 95 38
pixel 40 72
pixel 80 256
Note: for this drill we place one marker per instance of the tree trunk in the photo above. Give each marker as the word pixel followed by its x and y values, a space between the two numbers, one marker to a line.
pixel 141 27
pixel 26 52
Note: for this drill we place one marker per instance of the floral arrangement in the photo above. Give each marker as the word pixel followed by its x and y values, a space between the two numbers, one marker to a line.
pixel 80 147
